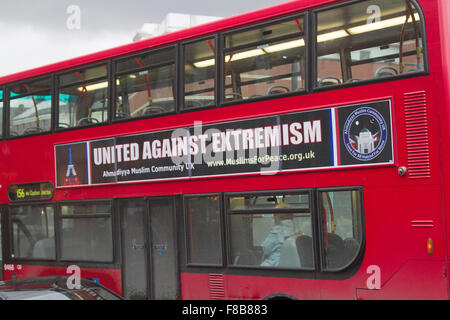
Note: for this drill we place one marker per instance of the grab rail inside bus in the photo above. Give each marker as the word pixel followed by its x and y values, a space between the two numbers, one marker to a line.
pixel 147 81
pixel 325 224
pixel 410 14
pixel 36 112
pixel 83 92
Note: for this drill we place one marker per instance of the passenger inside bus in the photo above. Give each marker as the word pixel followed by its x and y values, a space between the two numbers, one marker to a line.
pixel 276 231
pixel 265 229
pixel 282 229
pixel 44 248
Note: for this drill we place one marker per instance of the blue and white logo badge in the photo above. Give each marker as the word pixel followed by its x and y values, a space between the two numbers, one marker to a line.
pixel 365 134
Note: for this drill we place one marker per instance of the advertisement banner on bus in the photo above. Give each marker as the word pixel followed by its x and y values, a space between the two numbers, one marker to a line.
pixel 355 135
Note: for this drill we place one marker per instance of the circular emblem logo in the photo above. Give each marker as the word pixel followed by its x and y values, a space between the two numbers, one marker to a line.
pixel 365 134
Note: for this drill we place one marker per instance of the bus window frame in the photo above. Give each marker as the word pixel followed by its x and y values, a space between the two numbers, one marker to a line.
pixel 115 74
pixel 186 237
pixel 313 34
pixel 10 233
pixel 7 101
pixel 331 273
pixel 311 192
pixel 57 261
pixel 4 121
pixel 181 63
pixel 59 227
pixel 305 15
pixel 82 67
pixel 28 80
pixel 57 87
pixel 317 234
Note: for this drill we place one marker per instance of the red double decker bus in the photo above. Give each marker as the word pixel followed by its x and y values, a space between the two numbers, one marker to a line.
pixel 294 152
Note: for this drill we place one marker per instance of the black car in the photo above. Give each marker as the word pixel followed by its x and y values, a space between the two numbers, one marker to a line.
pixel 54 288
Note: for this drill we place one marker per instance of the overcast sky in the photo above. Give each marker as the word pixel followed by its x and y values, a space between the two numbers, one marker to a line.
pixel 38 32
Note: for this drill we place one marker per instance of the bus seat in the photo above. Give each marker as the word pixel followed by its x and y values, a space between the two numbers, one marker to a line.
pixel 351 247
pixel 246 257
pixel 230 96
pixel 32 130
pixel 305 251
pixel 385 72
pixel 352 80
pixel 44 249
pixel 328 81
pixel 335 254
pixel 277 89
pixel 87 121
pixel 289 257
pixel 153 109
pixel 122 115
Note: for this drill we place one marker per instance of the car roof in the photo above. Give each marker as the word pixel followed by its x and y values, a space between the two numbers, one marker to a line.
pixel 54 288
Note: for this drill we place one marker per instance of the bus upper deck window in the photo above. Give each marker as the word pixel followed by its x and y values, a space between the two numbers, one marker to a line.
pixel 266 60
pixel 199 73
pixel 30 106
pixel 83 97
pixel 145 84
pixel 368 40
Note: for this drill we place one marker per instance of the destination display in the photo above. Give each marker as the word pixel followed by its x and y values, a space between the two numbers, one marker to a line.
pixel 326 138
pixel 37 191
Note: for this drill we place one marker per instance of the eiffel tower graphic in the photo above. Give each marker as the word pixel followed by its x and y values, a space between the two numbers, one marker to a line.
pixel 71 175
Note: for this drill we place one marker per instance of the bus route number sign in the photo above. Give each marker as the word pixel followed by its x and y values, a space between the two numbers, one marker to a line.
pixel 31 191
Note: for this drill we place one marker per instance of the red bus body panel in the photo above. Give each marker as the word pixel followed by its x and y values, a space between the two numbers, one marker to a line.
pixel 110 278
pixel 444 110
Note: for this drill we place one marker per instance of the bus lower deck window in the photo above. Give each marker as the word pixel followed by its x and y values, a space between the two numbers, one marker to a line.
pixel 342 227
pixel 203 229
pixel 86 232
pixel 271 231
pixel 33 232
